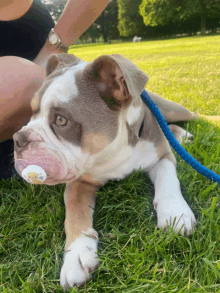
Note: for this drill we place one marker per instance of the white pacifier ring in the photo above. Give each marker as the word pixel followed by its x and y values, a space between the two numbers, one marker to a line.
pixel 34 174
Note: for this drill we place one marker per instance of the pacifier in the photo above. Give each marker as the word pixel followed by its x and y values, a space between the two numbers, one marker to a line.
pixel 34 174
pixel 31 173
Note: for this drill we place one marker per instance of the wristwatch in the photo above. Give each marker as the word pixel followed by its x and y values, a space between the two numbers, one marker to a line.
pixel 55 41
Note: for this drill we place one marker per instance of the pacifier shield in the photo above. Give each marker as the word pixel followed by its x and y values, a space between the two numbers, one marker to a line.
pixel 34 174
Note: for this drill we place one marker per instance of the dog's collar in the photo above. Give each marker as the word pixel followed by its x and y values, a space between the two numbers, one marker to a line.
pixel 141 128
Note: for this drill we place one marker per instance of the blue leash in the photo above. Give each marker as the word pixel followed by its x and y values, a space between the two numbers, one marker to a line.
pixel 174 143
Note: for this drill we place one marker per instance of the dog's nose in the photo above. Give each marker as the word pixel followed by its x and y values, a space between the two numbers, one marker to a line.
pixel 20 140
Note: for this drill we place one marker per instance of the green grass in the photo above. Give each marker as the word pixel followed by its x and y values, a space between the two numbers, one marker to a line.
pixel 134 255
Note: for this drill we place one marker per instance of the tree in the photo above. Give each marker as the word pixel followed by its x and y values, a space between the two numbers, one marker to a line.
pixel 55 7
pixel 91 34
pixel 158 12
pixel 201 8
pixel 108 21
pixel 162 12
pixel 105 25
pixel 130 22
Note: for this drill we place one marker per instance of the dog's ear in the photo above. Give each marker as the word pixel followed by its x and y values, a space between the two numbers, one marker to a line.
pixel 60 61
pixel 119 80
pixel 135 78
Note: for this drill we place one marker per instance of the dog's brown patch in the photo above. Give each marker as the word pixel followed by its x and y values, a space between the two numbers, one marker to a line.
pixel 35 103
pixel 89 179
pixel 94 143
pixel 79 200
pixel 71 132
pixel 110 81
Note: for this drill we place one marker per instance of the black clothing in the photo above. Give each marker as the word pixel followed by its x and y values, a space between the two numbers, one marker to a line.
pixel 7 169
pixel 25 36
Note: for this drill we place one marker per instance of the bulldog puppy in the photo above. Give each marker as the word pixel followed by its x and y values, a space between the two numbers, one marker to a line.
pixel 89 126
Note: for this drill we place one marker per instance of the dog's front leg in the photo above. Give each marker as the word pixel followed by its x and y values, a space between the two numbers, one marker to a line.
pixel 80 256
pixel 169 203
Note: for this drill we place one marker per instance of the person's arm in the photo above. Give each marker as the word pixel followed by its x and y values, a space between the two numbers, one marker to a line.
pixel 77 16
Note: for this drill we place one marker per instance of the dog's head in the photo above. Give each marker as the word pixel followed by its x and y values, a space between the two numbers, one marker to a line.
pixel 82 110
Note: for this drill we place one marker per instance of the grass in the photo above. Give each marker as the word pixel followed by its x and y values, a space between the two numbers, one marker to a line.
pixel 134 255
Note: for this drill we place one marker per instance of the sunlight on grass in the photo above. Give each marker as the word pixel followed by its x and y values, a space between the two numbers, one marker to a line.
pixel 184 70
pixel 134 255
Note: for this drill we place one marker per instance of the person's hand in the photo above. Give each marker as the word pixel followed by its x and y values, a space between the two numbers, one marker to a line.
pixel 76 18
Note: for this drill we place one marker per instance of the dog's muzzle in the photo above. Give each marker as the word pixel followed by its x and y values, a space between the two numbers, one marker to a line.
pixel 37 152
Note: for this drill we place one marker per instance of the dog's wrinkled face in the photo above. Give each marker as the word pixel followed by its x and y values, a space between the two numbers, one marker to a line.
pixel 75 116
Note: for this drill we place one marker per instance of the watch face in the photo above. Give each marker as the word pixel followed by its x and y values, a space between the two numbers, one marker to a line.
pixel 53 39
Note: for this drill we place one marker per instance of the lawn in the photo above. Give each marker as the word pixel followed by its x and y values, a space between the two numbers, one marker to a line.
pixel 134 255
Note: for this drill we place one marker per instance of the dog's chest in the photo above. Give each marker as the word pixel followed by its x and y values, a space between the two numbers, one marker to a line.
pixel 127 159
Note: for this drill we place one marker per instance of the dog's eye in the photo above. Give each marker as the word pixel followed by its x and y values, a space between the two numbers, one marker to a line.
pixel 61 121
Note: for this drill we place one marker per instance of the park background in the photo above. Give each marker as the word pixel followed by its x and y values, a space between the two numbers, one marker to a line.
pixel 135 256
pixel 123 19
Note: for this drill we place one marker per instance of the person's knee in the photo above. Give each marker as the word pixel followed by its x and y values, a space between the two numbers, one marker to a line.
pixel 19 71
pixel 19 80
pixel 18 75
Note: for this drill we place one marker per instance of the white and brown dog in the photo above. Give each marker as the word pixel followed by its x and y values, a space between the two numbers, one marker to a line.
pixel 89 125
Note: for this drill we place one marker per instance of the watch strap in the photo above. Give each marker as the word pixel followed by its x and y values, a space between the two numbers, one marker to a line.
pixel 59 45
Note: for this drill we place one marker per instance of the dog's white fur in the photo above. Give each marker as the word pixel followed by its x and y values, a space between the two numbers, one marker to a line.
pixel 118 160
pixel 133 114
pixel 114 161
pixel 171 207
pixel 80 259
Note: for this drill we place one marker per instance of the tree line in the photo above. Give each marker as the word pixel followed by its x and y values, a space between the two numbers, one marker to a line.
pixel 148 18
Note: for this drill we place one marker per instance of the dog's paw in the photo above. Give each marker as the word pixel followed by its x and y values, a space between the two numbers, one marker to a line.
pixel 187 137
pixel 175 213
pixel 80 260
pixel 180 134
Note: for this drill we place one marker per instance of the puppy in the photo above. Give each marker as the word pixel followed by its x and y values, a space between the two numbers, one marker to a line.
pixel 89 126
